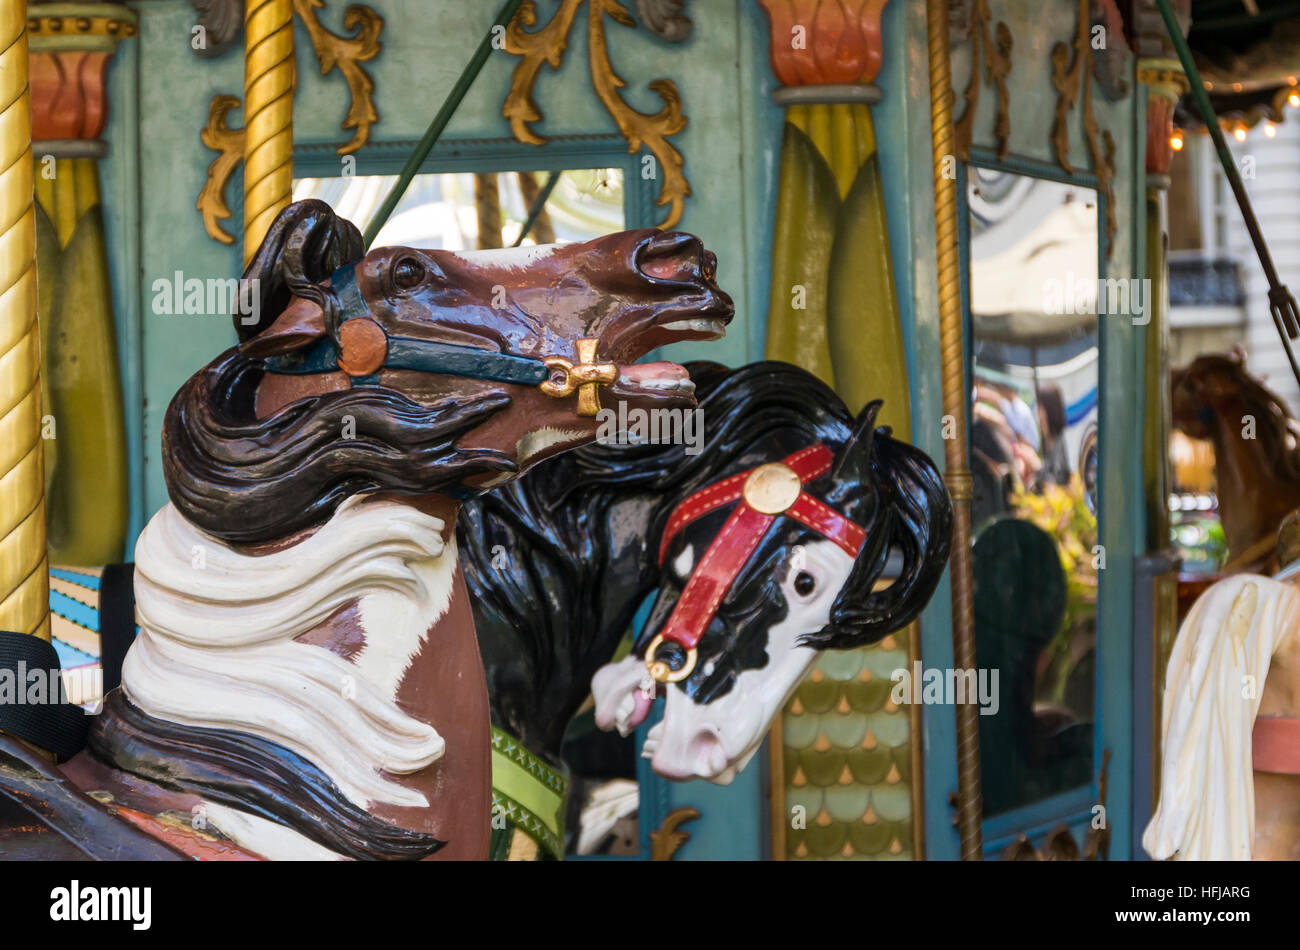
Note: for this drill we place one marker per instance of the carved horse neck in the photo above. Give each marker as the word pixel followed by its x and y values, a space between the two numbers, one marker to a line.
pixel 1253 495
pixel 352 647
pixel 443 684
pixel 542 652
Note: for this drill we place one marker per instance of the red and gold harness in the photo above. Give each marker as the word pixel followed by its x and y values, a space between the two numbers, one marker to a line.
pixel 764 493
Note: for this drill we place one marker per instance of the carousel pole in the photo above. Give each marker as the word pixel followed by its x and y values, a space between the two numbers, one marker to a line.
pixel 955 396
pixel 269 81
pixel 24 576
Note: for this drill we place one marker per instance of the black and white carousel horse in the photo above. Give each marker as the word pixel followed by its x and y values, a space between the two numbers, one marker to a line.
pixel 766 546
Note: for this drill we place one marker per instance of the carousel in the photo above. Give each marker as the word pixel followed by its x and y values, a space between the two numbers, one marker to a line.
pixel 647 430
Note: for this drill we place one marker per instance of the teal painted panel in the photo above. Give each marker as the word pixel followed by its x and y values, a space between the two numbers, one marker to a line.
pixel 119 182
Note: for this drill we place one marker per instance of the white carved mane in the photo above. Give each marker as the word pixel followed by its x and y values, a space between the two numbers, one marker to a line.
pixel 1213 688
pixel 217 627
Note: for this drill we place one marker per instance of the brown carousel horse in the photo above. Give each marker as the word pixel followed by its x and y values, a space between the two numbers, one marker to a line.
pixel 1256 450
pixel 306 682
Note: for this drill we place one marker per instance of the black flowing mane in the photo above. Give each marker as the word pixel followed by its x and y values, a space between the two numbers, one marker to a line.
pixel 558 561
pixel 246 480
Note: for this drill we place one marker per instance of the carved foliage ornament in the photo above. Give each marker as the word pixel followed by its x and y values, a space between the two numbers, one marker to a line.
pixel 1071 70
pixel 997 67
pixel 548 44
pixel 345 53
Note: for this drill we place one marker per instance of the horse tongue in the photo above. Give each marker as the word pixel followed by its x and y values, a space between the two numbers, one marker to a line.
pixel 645 698
pixel 659 375
pixel 624 694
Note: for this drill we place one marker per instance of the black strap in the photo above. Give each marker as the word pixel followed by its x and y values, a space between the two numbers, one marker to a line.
pixel 55 724
pixel 116 620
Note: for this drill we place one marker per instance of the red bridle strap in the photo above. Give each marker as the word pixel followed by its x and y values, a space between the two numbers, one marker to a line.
pixel 727 555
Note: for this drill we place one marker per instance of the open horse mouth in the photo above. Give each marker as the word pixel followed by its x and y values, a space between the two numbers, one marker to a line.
pixel 699 312
pixel 662 382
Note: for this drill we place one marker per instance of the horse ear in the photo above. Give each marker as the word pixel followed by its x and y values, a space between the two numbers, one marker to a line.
pixel 854 458
pixel 1238 354
pixel 302 322
pixel 305 244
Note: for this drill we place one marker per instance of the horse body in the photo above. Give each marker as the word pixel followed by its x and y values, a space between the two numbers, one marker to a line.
pixel 307 682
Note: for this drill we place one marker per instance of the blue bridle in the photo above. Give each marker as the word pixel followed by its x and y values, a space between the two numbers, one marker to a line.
pixel 426 356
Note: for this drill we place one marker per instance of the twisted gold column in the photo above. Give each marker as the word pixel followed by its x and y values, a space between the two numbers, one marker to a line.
pixel 955 396
pixel 268 116
pixel 24 579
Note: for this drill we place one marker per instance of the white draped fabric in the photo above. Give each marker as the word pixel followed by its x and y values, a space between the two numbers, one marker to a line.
pixel 1212 692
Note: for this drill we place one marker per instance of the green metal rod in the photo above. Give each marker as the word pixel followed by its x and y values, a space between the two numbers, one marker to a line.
pixel 1281 304
pixel 535 211
pixel 439 123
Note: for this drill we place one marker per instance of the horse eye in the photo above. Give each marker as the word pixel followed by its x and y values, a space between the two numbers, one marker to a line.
pixel 407 274
pixel 804 584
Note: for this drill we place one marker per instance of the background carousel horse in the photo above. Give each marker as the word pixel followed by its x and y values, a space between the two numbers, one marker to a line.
pixel 306 682
pixel 764 566
pixel 558 562
pixel 1214 398
pixel 1230 774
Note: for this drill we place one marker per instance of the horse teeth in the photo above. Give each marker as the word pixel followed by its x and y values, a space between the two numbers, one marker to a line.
pixel 662 383
pixel 623 715
pixel 699 325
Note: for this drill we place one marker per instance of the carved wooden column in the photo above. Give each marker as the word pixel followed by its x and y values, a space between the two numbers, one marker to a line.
pixel 24 583
pixel 268 116
pixel 84 430
pixel 1158 68
pixel 833 308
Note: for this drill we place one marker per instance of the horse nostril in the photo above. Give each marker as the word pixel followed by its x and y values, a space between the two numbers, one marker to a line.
pixel 672 255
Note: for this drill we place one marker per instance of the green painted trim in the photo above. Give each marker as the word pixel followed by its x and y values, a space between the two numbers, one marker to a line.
pixel 514 750
pixel 528 791
pixel 529 823
pixel 1033 167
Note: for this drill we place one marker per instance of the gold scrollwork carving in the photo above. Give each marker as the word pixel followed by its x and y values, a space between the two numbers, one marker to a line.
pixel 997 67
pixel 333 51
pixel 228 143
pixel 1068 76
pixel 665 842
pixel 346 53
pixel 548 44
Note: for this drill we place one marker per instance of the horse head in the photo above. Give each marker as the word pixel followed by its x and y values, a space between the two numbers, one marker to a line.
pixel 765 568
pixel 389 370
pixel 1199 390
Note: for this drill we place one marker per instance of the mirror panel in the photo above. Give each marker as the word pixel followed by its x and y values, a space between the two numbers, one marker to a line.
pixel 1034 335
